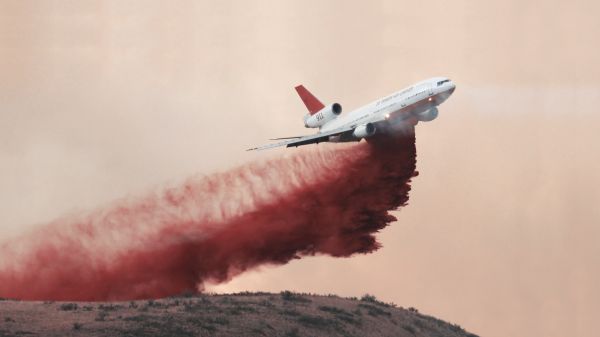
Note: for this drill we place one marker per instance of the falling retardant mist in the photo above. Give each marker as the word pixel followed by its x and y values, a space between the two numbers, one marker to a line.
pixel 330 200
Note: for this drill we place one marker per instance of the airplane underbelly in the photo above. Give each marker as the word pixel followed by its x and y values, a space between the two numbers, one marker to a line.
pixel 425 104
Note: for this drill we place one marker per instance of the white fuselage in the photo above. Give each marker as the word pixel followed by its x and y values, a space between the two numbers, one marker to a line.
pixel 398 106
pixel 394 114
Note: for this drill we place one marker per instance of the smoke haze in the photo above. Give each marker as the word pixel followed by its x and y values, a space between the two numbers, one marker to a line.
pixel 104 99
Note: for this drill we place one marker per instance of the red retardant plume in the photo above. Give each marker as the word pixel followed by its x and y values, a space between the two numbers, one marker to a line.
pixel 318 201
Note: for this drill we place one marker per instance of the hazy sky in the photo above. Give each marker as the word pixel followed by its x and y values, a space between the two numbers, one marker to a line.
pixel 105 99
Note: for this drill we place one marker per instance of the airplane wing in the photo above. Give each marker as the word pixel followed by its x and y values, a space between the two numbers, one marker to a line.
pixel 304 140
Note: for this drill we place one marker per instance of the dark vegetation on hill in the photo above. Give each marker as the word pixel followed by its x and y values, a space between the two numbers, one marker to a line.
pixel 243 314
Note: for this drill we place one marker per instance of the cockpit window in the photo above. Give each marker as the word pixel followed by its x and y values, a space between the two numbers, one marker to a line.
pixel 442 82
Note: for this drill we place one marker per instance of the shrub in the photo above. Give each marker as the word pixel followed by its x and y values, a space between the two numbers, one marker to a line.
pixel 374 300
pixel 456 328
pixel 316 321
pixel 244 293
pixel 409 328
pixel 375 311
pixel 290 312
pixel 76 326
pixel 208 327
pixel 109 307
pixel 340 314
pixel 68 306
pixel 368 298
pixel 291 297
pixel 266 303
pixel 333 310
pixel 239 309
pixel 204 299
pixel 188 307
pixel 101 316
pixel 218 320
pixel 251 293
pixel 258 331
pixel 420 323
pixel 140 318
pixel 292 333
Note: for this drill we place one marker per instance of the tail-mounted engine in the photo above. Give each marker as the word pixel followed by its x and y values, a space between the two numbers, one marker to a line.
pixel 323 116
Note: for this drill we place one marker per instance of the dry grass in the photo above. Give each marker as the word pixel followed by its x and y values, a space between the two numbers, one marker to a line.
pixel 244 314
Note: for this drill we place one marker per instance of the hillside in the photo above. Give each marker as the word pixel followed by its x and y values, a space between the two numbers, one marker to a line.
pixel 245 314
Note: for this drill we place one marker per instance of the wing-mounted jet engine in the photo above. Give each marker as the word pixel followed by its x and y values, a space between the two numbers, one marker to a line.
pixel 428 115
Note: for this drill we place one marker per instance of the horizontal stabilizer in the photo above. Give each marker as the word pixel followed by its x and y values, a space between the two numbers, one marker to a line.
pixel 311 139
pixel 280 138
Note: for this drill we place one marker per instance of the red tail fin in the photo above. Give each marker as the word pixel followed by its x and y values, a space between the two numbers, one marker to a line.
pixel 312 103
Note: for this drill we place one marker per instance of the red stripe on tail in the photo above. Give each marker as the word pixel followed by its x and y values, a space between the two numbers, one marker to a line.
pixel 312 103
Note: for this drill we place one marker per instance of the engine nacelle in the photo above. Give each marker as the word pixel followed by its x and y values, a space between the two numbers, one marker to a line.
pixel 323 116
pixel 429 115
pixel 364 131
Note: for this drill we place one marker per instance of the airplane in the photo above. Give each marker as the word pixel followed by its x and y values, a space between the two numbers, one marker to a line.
pixel 391 114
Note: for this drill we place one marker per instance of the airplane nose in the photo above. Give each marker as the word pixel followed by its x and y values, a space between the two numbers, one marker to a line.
pixel 452 87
